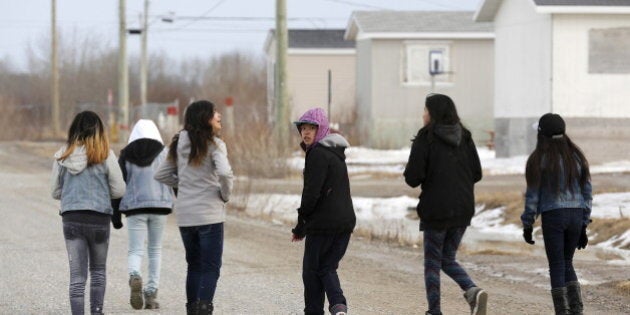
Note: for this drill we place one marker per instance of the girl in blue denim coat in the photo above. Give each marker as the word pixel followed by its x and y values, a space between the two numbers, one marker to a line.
pixel 146 204
pixel 85 177
pixel 559 190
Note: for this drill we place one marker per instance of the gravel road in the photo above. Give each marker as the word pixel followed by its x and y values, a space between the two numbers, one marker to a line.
pixel 261 267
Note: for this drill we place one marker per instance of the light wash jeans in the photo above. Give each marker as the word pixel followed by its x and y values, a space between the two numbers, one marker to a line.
pixel 139 226
pixel 87 246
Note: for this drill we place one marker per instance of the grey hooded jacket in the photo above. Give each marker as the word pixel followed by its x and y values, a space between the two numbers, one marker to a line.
pixel 203 189
pixel 80 187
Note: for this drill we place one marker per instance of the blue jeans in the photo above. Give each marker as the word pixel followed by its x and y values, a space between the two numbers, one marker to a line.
pixel 440 248
pixel 561 231
pixel 86 243
pixel 204 249
pixel 139 227
pixel 322 253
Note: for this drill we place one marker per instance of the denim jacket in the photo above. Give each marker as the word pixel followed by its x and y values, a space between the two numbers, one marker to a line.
pixel 541 199
pixel 83 187
pixel 142 190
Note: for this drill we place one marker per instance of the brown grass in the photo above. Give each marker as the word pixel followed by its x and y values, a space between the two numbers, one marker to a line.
pixel 512 201
pixel 605 229
pixel 254 152
pixel 623 287
pixel 602 229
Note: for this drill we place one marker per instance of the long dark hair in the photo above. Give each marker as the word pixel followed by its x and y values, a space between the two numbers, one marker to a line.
pixel 87 130
pixel 442 110
pixel 554 156
pixel 197 124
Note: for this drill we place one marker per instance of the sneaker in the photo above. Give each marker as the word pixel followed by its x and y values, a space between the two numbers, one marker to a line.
pixel 477 298
pixel 339 309
pixel 135 298
pixel 150 300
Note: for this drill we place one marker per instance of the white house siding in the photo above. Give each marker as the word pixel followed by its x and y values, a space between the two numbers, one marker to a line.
pixel 576 92
pixel 522 75
pixel 396 107
pixel 596 106
pixel 308 84
pixel 364 92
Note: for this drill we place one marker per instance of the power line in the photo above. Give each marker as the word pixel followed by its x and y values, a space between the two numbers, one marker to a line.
pixel 356 4
pixel 202 15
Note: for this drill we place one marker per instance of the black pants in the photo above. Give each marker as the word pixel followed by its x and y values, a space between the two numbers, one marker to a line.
pixel 322 253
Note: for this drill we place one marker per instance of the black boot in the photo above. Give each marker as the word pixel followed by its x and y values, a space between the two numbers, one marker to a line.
pixel 192 308
pixel 205 307
pixel 560 301
pixel 574 294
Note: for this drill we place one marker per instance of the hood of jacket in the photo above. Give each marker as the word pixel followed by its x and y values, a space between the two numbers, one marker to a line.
pixel 315 116
pixel 76 162
pixel 451 134
pixel 335 143
pixel 142 152
pixel 145 128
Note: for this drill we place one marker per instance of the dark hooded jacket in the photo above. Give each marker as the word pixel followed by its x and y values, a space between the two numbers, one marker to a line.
pixel 444 161
pixel 326 205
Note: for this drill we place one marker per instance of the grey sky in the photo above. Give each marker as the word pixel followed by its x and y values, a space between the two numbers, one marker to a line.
pixel 27 22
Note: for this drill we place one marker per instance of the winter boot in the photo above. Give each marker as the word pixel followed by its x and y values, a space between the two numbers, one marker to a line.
pixel 205 307
pixel 192 308
pixel 560 301
pixel 150 300
pixel 477 298
pixel 135 298
pixel 574 294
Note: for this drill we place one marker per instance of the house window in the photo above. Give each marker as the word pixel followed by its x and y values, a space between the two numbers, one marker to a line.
pixel 609 50
pixel 421 60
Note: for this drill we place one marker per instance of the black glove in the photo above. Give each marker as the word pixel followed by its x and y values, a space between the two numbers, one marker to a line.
pixel 117 220
pixel 583 241
pixel 527 235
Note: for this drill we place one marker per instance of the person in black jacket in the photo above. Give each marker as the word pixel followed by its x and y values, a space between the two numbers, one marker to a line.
pixel 444 161
pixel 326 215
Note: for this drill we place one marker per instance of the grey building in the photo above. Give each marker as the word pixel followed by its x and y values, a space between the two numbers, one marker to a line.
pixel 311 55
pixel 396 51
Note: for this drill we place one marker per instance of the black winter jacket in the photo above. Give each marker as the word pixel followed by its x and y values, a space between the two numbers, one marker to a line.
pixel 445 162
pixel 326 205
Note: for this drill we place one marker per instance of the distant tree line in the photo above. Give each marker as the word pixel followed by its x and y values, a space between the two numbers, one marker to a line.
pixel 89 68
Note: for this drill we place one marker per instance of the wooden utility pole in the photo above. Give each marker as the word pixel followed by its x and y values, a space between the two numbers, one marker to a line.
pixel 282 106
pixel 54 72
pixel 143 58
pixel 123 74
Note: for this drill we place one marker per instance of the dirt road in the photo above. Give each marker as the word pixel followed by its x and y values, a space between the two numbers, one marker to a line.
pixel 261 267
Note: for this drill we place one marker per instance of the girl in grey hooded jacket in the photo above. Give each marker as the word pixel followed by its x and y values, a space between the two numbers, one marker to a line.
pixel 198 166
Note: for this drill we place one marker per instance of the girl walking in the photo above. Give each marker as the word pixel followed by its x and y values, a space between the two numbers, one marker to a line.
pixel 198 166
pixel 326 216
pixel 559 190
pixel 444 161
pixel 145 204
pixel 85 177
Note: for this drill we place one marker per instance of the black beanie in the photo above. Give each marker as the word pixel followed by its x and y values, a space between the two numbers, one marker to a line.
pixel 551 125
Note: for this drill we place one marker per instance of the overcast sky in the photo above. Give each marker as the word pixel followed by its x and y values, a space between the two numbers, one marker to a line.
pixel 193 33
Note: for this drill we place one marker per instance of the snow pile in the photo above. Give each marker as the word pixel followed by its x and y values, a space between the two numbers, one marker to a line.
pixel 364 160
pixel 394 218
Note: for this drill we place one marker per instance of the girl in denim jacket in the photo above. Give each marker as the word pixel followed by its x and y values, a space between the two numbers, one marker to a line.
pixel 559 189
pixel 146 204
pixel 85 177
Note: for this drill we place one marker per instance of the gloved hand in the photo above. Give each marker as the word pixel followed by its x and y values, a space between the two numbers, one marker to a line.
pixel 583 241
pixel 117 220
pixel 527 235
